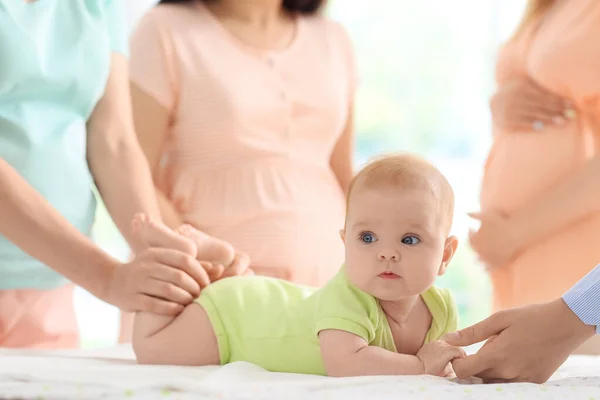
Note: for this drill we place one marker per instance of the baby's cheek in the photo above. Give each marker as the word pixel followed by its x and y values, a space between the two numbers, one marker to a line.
pixel 421 278
pixel 360 275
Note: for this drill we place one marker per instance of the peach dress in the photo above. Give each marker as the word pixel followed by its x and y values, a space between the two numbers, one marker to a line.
pixel 252 133
pixel 561 52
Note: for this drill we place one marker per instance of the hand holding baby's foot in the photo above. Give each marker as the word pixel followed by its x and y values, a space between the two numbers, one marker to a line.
pixel 436 357
pixel 216 251
pixel 180 250
pixel 156 234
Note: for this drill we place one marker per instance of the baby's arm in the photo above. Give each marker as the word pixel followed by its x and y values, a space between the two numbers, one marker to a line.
pixel 181 340
pixel 345 354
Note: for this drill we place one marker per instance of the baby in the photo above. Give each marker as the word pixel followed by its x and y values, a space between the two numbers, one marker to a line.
pixel 380 315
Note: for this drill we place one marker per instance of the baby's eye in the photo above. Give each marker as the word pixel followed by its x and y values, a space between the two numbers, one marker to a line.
pixel 411 240
pixel 368 237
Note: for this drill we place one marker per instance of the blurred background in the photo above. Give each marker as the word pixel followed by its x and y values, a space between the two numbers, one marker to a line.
pixel 426 70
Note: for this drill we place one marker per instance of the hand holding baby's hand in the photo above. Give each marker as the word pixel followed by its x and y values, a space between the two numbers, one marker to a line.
pixel 436 357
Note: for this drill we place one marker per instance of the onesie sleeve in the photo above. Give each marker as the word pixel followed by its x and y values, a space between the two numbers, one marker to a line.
pixel 346 308
pixel 152 60
pixel 117 26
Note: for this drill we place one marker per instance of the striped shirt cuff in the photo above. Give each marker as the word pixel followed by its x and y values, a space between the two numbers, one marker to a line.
pixel 584 299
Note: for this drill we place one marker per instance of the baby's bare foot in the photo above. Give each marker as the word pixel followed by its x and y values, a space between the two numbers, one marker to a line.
pixel 157 234
pixel 216 251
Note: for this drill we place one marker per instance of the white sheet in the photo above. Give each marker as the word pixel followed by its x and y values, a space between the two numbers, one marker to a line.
pixel 112 374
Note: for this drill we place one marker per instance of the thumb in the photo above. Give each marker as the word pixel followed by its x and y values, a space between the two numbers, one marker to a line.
pixel 477 333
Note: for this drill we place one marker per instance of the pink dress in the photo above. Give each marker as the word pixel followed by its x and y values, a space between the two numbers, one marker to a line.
pixel 562 55
pixel 252 133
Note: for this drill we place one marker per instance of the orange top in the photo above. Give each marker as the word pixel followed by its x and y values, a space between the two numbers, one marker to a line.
pixel 247 158
pixel 560 52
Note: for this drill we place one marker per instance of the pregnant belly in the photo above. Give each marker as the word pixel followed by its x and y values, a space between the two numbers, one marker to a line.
pixel 523 165
pixel 546 270
pixel 287 219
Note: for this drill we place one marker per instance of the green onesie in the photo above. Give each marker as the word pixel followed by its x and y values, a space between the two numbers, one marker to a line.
pixel 274 324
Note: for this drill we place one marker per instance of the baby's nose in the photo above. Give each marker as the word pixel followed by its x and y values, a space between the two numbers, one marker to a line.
pixel 388 255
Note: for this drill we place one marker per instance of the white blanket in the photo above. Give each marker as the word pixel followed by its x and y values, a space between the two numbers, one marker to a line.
pixel 112 374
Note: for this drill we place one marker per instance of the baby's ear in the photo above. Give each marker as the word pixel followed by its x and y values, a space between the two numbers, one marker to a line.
pixel 343 235
pixel 449 250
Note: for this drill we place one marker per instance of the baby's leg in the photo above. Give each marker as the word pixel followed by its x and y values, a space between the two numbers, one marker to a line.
pixel 187 339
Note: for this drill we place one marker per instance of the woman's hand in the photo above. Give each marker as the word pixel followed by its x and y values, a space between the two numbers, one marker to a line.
pixel 521 104
pixel 436 358
pixel 158 280
pixel 495 242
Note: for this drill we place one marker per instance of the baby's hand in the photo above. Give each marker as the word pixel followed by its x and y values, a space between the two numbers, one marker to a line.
pixel 436 357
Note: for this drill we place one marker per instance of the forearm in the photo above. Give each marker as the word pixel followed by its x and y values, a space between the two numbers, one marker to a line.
pixel 344 177
pixel 341 160
pixel 123 178
pixel 29 221
pixel 371 360
pixel 120 170
pixel 573 199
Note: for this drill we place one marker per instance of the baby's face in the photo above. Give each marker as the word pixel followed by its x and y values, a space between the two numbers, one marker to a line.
pixel 395 241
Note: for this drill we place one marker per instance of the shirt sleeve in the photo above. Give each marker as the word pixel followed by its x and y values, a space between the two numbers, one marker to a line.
pixel 152 60
pixel 451 313
pixel 584 299
pixel 345 308
pixel 117 26
pixel 443 309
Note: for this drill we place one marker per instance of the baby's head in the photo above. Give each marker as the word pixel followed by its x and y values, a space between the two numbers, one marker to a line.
pixel 398 219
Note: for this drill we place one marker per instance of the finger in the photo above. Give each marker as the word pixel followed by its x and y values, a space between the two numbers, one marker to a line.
pixel 166 291
pixel 239 266
pixel 182 261
pixel 527 118
pixel 157 306
pixel 177 277
pixel 212 270
pixel 479 332
pixel 533 90
pixel 489 341
pixel 543 100
pixel 249 272
pixel 452 353
pixel 449 371
pixel 215 272
pixel 472 365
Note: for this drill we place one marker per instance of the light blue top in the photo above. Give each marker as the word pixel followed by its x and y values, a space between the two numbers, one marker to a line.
pixel 584 299
pixel 54 63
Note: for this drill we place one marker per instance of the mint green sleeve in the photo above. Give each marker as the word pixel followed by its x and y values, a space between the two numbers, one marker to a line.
pixel 453 318
pixel 117 26
pixel 346 309
pixel 446 314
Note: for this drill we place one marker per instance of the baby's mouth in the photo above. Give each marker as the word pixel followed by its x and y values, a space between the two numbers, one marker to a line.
pixel 388 275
